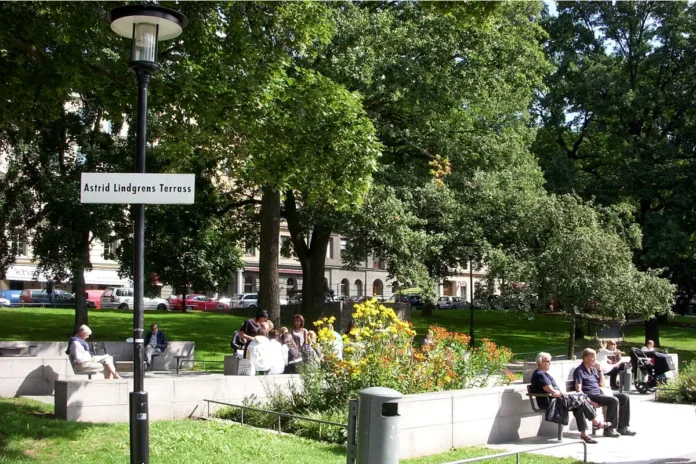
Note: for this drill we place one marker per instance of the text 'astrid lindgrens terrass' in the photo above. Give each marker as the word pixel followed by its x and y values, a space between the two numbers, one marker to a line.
pixel 135 188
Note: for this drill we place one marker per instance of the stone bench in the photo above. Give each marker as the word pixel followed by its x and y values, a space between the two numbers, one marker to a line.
pixel 36 375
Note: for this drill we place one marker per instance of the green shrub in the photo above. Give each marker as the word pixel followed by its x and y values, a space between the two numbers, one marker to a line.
pixel 681 389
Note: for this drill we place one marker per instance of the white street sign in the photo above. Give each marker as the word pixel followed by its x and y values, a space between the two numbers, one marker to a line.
pixel 133 188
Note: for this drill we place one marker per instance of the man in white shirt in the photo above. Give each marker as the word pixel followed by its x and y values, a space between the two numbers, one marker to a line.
pixel 84 360
pixel 258 352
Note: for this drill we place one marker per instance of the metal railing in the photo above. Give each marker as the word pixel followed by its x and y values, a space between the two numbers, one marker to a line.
pixel 279 414
pixel 517 453
pixel 558 352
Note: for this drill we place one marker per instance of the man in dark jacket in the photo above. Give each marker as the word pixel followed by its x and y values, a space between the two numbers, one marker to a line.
pixel 155 342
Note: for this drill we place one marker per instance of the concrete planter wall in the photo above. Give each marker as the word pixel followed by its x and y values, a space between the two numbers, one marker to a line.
pixel 170 396
pixel 36 375
pixel 434 423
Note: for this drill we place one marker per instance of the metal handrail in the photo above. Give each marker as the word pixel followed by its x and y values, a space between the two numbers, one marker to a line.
pixel 279 414
pixel 517 453
pixel 517 356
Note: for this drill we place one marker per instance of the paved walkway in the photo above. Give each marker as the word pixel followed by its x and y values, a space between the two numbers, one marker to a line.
pixel 665 435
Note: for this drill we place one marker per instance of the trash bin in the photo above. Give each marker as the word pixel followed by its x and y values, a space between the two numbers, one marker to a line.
pixel 378 426
pixel 626 381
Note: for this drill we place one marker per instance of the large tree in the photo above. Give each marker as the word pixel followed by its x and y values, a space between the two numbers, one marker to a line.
pixel 61 84
pixel 579 257
pixel 617 121
pixel 447 87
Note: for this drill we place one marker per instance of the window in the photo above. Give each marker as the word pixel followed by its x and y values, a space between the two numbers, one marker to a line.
pixel 110 250
pixel 345 287
pixel 286 247
pixel 378 263
pixel 250 251
pixel 21 245
pixel 359 286
pixel 344 244
pixel 248 284
pixel 329 249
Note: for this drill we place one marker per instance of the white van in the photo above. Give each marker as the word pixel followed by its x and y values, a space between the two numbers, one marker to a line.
pixel 244 300
pixel 122 298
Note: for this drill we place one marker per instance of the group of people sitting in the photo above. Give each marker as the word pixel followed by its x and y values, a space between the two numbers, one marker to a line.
pixel 282 351
pixel 588 380
pixel 85 360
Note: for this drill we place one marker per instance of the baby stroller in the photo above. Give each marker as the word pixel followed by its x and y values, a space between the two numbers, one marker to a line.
pixel 649 368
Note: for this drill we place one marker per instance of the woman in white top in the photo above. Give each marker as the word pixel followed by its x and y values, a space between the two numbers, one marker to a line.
pixel 609 359
pixel 84 360
pixel 299 333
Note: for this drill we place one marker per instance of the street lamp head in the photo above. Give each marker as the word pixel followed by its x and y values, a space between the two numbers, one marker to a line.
pixel 146 25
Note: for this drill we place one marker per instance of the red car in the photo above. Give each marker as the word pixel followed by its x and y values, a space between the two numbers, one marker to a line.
pixel 198 302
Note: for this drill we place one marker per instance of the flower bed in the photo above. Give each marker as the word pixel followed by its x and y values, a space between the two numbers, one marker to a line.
pixel 378 351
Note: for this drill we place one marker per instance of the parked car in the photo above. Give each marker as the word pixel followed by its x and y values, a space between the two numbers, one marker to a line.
pixel 11 295
pixel 416 301
pixel 451 302
pixel 4 302
pixel 40 297
pixel 197 302
pixel 122 298
pixel 244 300
pixel 95 297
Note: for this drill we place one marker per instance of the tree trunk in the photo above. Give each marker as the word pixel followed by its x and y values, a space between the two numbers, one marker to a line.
pixel 571 339
pixel 269 249
pixel 81 314
pixel 78 272
pixel 317 268
pixel 579 329
pixel 652 331
pixel 312 257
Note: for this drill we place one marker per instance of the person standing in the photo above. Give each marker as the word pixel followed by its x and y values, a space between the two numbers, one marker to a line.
pixel 49 290
pixel 299 333
pixel 588 378
pixel 251 328
pixel 155 342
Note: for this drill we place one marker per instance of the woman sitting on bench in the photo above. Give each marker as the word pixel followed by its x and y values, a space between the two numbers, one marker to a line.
pixel 84 360
pixel 542 382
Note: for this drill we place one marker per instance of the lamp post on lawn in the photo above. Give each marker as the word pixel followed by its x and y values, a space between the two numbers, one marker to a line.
pixel 145 25
pixel 470 248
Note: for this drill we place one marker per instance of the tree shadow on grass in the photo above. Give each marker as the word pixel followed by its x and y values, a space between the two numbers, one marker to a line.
pixel 22 419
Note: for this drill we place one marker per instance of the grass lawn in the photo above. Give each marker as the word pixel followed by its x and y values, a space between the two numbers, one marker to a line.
pixel 29 433
pixel 506 328
pixel 212 331
pixel 678 339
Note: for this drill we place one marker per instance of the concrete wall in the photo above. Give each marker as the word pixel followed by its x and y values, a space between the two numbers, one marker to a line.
pixel 170 396
pixel 434 423
pixel 36 375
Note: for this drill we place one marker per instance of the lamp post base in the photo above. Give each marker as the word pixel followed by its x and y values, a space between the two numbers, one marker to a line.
pixel 139 428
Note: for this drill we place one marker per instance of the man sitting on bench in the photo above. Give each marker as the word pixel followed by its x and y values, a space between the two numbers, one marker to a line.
pixel 542 382
pixel 155 343
pixel 84 360
pixel 588 378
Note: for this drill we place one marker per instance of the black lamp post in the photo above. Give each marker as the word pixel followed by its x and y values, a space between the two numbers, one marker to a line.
pixel 470 252
pixel 145 25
